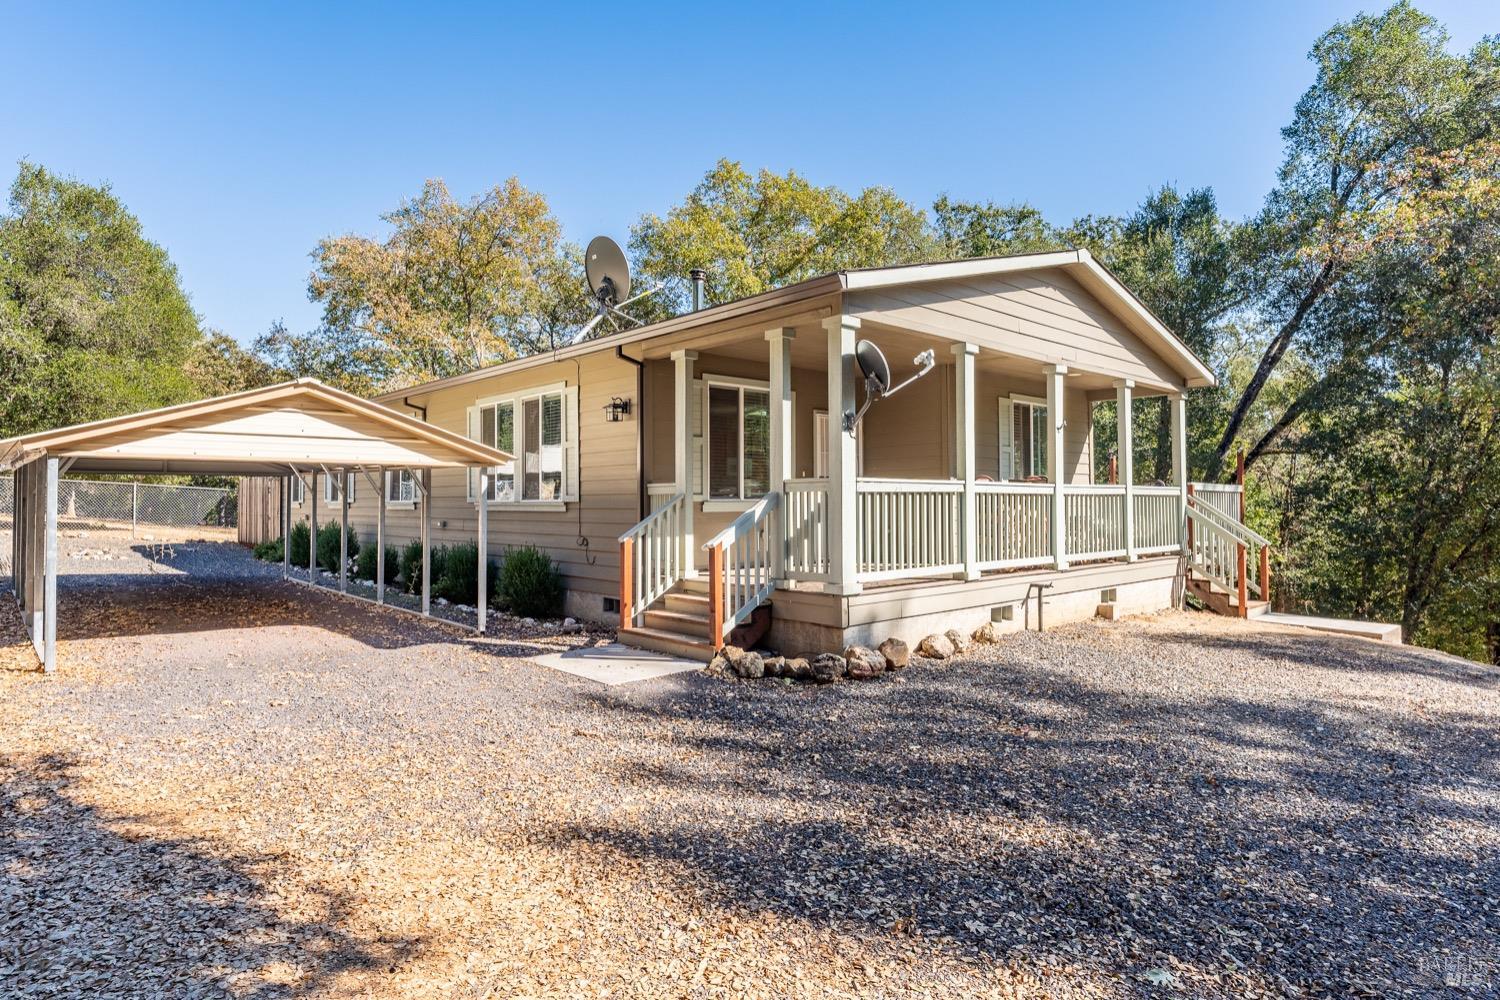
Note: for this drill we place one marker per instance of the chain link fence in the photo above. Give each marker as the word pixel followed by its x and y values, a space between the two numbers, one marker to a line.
pixel 92 501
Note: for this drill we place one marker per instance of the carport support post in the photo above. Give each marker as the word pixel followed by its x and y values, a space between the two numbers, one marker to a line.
pixel 426 541
pixel 286 526
pixel 380 475
pixel 484 546
pixel 344 485
pixel 312 534
pixel 49 570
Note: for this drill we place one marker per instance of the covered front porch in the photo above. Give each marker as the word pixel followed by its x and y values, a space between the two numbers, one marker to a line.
pixel 987 466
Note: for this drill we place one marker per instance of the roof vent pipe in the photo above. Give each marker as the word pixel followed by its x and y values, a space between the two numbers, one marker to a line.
pixel 698 275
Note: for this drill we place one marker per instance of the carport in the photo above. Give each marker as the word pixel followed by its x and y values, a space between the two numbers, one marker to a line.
pixel 302 428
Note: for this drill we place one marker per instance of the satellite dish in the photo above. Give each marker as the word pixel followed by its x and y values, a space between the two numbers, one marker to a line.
pixel 873 364
pixel 608 273
pixel 877 374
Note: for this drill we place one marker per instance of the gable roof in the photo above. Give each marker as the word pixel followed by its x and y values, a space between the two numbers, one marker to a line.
pixel 1097 279
pixel 302 424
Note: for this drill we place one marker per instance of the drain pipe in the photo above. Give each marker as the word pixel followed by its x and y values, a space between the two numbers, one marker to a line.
pixel 640 431
pixel 1038 587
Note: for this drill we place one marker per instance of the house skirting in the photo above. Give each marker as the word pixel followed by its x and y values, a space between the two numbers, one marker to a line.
pixel 810 621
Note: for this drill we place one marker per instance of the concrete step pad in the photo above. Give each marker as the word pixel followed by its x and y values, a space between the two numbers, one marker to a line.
pixel 1379 631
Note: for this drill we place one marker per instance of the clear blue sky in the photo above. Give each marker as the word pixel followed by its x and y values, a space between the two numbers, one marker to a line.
pixel 241 137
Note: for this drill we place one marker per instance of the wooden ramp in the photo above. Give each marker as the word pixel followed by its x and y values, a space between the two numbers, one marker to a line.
pixel 1379 631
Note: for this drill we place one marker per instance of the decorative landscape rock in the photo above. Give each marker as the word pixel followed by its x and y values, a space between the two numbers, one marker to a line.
pixel 986 634
pixel 775 665
pixel 957 638
pixel 897 654
pixel 828 667
pixel 798 668
pixel 936 647
pixel 745 664
pixel 864 663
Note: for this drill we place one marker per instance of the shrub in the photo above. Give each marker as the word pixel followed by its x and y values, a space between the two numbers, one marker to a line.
pixel 530 583
pixel 300 535
pixel 411 565
pixel 364 564
pixel 459 581
pixel 269 550
pixel 328 547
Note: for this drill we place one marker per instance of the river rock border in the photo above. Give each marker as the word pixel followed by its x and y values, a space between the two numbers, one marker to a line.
pixel 855 663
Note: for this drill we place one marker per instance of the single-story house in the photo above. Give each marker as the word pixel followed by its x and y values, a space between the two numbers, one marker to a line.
pixel 703 473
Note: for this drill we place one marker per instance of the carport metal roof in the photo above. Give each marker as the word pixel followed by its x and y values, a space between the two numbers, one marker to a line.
pixel 281 430
pixel 302 425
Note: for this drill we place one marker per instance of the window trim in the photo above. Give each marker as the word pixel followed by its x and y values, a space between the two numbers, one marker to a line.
pixel 415 490
pixel 299 490
pixel 740 502
pixel 1012 401
pixel 516 400
pixel 351 489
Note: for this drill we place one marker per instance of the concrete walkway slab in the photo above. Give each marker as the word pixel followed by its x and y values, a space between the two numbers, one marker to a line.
pixel 616 664
pixel 1379 631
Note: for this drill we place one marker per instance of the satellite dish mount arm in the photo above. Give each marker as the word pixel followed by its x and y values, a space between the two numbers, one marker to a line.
pixel 874 388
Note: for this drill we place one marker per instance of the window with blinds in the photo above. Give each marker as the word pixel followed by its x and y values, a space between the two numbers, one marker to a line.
pixel 739 442
pixel 536 431
pixel 400 487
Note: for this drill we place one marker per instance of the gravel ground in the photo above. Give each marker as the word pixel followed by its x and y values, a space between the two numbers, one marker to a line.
pixel 356 802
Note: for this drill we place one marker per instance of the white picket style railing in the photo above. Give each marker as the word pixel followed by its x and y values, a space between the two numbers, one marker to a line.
pixel 1013 524
pixel 651 558
pixel 1158 522
pixel 1095 522
pixel 740 566
pixel 1215 550
pixel 1222 497
pixel 658 495
pixel 909 527
pixel 804 516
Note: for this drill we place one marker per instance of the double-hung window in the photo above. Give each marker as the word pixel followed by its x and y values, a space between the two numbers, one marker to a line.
pixel 400 487
pixel 297 490
pixel 536 429
pixel 331 491
pixel 738 436
pixel 1027 434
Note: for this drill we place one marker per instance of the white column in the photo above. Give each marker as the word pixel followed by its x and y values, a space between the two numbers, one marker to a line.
pixel 426 541
pixel 286 526
pixel 482 605
pixel 682 452
pixel 312 530
pixel 344 485
pixel 380 475
pixel 1178 402
pixel 1125 448
pixel 964 391
pixel 1056 376
pixel 843 515
pixel 49 569
pixel 782 426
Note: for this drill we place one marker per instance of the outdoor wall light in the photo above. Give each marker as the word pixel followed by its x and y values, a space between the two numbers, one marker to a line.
pixel 616 409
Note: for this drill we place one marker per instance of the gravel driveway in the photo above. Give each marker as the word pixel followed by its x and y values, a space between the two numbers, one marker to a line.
pixel 355 802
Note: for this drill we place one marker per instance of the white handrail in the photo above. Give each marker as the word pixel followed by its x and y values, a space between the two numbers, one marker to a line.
pixel 651 558
pixel 1215 551
pixel 740 564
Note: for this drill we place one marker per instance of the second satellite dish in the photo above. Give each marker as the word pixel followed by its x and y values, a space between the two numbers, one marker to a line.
pixel 608 273
pixel 877 374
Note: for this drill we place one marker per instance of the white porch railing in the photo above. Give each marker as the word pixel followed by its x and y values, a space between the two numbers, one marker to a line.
pixel 804 516
pixel 909 527
pixel 651 558
pixel 1095 521
pixel 740 566
pixel 1222 497
pixel 658 495
pixel 1013 524
pixel 1228 552
pixel 1158 522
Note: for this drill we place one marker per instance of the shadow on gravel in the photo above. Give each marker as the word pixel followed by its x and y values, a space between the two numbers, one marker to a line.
pixel 84 903
pixel 1022 812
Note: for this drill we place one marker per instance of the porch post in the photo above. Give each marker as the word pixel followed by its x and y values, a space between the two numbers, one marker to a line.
pixel 344 485
pixel 426 541
pixel 782 425
pixel 286 526
pixel 682 453
pixel 482 606
pixel 380 475
pixel 1125 445
pixel 312 530
pixel 963 357
pixel 1056 375
pixel 1178 402
pixel 49 568
pixel 843 515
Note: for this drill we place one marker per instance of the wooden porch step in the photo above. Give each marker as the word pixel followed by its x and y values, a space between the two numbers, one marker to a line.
pixel 683 623
pixel 686 603
pixel 671 643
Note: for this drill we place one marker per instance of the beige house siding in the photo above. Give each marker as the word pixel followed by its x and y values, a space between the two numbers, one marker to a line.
pixel 608 502
pixel 1044 316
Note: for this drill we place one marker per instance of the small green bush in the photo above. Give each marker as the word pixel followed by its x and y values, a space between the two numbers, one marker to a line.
pixel 459 581
pixel 411 565
pixel 269 550
pixel 300 535
pixel 364 564
pixel 328 547
pixel 530 583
